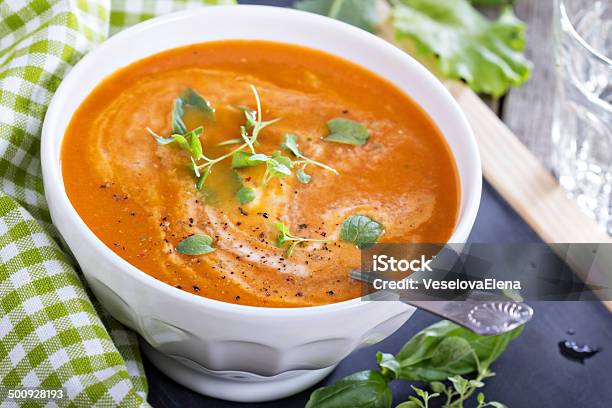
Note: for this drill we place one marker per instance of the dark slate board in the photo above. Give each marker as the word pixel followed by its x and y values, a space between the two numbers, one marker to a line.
pixel 531 373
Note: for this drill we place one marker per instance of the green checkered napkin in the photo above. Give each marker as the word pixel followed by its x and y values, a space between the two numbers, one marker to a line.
pixel 52 334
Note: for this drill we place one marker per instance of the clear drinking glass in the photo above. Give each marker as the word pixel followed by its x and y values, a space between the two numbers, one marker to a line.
pixel 582 125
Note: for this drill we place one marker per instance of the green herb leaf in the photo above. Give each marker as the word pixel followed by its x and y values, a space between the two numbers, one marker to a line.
pixel 347 131
pixel 202 179
pixel 182 142
pixel 361 231
pixel 195 145
pixel 454 355
pixel 279 170
pixel 197 244
pixel 460 384
pixel 251 117
pixel 360 13
pixel 366 389
pixel 302 176
pixel 480 398
pixel 159 139
pixel 245 195
pixel 389 366
pixel 437 386
pixel 424 395
pixel 243 159
pixel 189 97
pixel 279 166
pixel 178 126
pixel 285 161
pixel 284 234
pixel 486 54
pixel 410 404
pixel 446 349
pixel 290 143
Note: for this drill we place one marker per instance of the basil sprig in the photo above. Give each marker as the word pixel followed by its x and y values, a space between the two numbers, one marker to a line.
pixel 442 351
pixel 347 131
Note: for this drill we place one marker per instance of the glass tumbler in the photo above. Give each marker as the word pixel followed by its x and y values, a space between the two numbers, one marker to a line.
pixel 582 122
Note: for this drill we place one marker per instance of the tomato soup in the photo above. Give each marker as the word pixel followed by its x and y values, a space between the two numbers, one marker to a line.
pixel 250 171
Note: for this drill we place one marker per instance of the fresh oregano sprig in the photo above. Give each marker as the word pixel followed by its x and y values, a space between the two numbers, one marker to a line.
pixel 190 141
pixel 288 240
pixel 254 121
pixel 291 143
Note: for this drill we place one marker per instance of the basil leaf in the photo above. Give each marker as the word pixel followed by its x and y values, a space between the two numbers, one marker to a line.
pixel 361 231
pixel 496 404
pixel 486 54
pixel 197 244
pixel 389 366
pixel 366 389
pixel 409 404
pixel 290 143
pixel 360 13
pixel 245 195
pixel 431 355
pixel 243 159
pixel 302 176
pixel 452 356
pixel 347 131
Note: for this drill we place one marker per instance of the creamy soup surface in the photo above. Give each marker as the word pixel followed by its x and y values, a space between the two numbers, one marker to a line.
pixel 139 197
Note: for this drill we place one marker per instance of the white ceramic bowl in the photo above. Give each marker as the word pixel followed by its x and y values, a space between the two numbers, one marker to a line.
pixel 230 351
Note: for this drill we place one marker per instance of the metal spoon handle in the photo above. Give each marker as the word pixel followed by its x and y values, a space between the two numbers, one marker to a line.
pixel 485 314
pixel 485 318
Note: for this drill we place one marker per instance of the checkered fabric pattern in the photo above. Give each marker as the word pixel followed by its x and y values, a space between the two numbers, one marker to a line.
pixel 52 335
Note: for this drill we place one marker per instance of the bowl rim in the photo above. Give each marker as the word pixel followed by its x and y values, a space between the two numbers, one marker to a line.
pixel 54 188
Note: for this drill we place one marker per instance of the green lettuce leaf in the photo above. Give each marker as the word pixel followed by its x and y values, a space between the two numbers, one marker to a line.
pixel 485 54
pixel 360 13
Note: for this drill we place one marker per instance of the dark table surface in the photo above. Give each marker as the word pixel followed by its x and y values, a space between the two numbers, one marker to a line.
pixel 531 373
